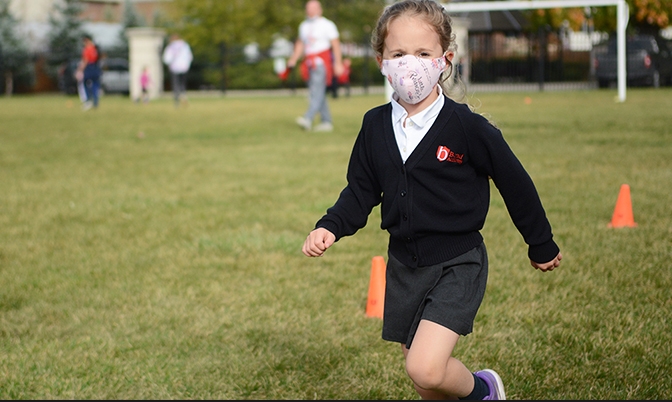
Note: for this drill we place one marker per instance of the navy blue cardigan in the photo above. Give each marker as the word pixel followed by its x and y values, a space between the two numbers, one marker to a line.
pixel 435 204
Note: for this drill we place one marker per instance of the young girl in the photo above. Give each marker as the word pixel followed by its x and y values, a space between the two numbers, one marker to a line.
pixel 428 160
pixel 145 81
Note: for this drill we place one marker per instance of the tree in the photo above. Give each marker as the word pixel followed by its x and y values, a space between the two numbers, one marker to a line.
pixel 65 34
pixel 355 18
pixel 15 59
pixel 203 23
pixel 650 15
pixel 213 27
pixel 646 16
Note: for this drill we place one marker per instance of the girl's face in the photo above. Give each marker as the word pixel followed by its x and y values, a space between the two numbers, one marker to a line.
pixel 411 35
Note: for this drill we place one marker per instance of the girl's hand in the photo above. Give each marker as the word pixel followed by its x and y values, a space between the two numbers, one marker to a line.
pixel 317 242
pixel 548 266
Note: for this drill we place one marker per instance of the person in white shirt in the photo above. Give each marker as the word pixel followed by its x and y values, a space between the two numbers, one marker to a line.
pixel 178 57
pixel 319 40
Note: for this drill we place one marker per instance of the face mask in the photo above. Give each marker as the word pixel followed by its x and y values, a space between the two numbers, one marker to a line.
pixel 413 78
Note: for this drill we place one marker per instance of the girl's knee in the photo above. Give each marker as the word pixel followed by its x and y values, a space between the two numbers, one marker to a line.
pixel 426 374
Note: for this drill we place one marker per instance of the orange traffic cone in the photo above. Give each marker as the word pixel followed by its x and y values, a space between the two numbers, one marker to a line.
pixel 376 300
pixel 623 212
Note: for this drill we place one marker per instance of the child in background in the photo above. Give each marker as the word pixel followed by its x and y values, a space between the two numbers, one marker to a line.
pixel 81 90
pixel 344 78
pixel 428 161
pixel 145 82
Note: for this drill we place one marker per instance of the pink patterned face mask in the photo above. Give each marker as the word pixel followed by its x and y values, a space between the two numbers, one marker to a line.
pixel 413 78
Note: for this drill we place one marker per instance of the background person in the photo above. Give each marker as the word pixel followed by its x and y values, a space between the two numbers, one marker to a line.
pixel 145 82
pixel 344 78
pixel 433 186
pixel 89 70
pixel 178 57
pixel 318 38
pixel 81 89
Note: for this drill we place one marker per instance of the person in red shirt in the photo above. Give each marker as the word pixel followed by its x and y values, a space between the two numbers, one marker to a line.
pixel 91 72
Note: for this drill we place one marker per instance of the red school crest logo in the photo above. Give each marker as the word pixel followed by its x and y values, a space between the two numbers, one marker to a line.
pixel 444 154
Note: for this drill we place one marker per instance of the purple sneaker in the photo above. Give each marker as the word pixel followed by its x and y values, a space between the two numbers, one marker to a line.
pixel 495 384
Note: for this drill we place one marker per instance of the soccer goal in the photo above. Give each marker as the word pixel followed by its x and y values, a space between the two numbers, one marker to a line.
pixel 622 16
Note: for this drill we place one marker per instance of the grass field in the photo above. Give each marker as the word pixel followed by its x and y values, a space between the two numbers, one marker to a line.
pixel 154 253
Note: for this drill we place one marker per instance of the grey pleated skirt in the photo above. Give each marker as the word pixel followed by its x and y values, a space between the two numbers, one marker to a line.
pixel 448 294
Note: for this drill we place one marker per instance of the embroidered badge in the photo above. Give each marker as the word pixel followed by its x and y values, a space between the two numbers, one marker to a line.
pixel 444 154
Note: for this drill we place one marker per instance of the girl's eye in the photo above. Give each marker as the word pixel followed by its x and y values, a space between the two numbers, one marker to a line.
pixel 424 54
pixel 397 55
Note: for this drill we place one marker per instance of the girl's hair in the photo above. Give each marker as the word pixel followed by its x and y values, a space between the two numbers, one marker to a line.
pixel 434 15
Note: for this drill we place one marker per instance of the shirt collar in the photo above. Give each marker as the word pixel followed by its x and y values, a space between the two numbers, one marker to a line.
pixel 420 119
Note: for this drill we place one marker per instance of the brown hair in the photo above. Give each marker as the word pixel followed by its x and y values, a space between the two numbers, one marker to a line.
pixel 429 10
pixel 433 13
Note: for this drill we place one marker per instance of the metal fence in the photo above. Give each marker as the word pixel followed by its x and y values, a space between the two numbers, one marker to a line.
pixel 541 59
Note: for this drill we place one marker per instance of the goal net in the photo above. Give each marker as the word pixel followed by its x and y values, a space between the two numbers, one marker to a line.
pixel 621 15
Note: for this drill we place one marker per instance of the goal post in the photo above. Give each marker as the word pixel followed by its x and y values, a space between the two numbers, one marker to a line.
pixel 622 16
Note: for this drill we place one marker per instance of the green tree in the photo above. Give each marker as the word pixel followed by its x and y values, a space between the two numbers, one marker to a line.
pixel 15 59
pixel 206 22
pixel 355 18
pixel 65 34
pixel 237 22
pixel 217 29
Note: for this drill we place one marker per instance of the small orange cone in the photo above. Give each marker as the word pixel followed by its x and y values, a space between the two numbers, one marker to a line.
pixel 623 212
pixel 376 300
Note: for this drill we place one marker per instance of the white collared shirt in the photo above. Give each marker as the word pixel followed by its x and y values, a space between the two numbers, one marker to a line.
pixel 410 134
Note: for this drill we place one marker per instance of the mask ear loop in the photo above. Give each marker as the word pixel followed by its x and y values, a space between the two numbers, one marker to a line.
pixel 444 76
pixel 448 63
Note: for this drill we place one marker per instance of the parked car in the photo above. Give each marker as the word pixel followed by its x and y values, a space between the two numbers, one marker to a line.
pixel 114 79
pixel 649 61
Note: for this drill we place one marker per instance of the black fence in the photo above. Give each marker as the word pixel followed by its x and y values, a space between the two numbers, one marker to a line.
pixel 539 58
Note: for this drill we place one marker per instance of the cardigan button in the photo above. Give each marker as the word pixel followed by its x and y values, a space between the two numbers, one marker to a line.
pixel 405 217
pixel 403 193
pixel 415 258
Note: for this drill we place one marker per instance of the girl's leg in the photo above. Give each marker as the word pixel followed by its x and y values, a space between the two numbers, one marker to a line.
pixel 429 364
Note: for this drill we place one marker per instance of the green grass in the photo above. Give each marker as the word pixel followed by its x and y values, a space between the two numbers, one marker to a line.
pixel 148 252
